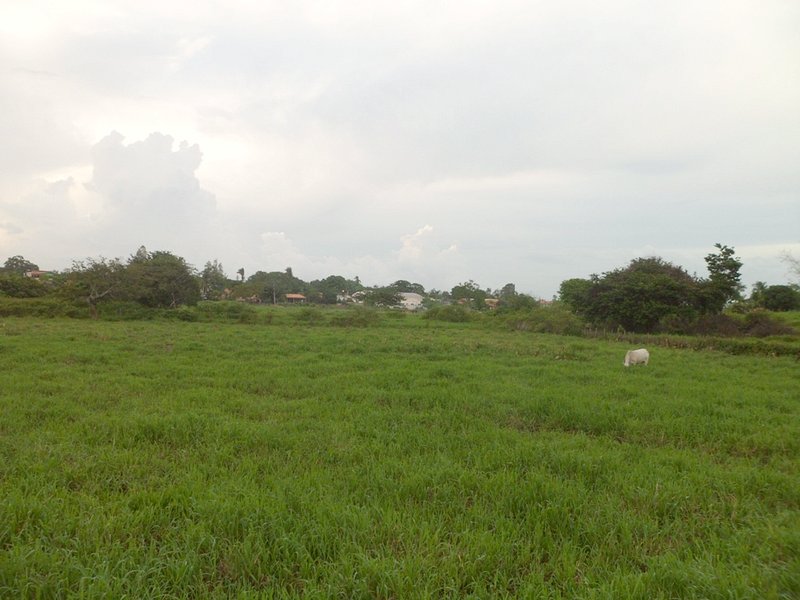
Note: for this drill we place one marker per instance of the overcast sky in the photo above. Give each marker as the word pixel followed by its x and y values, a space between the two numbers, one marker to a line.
pixel 505 141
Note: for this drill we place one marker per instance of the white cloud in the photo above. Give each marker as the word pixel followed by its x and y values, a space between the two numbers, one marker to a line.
pixel 419 258
pixel 537 140
pixel 150 193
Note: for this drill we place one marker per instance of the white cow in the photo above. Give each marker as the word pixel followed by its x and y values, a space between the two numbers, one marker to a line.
pixel 636 357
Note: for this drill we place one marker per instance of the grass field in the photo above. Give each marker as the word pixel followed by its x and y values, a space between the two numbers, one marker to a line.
pixel 407 459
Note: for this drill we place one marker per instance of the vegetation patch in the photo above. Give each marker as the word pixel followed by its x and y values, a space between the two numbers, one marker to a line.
pixel 408 458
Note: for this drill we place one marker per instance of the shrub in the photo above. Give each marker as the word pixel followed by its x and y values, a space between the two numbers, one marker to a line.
pixel 453 313
pixel 545 319
pixel 309 316
pixel 18 286
pixel 759 324
pixel 719 325
pixel 237 312
pixel 357 316
pixel 781 297
pixel 41 307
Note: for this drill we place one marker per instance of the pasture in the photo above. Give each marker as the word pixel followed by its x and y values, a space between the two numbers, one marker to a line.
pixel 405 459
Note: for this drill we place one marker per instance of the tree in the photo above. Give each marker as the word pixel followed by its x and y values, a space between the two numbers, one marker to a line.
pixel 328 289
pixel 723 284
pixel 637 297
pixel 18 286
pixel 240 273
pixel 757 293
pixel 273 286
pixel 511 300
pixel 518 302
pixel 276 285
pixel 469 292
pixel 401 285
pixel 161 280
pixel 19 265
pixel 781 297
pixel 95 281
pixel 575 294
pixel 385 297
pixel 213 281
pixel 507 292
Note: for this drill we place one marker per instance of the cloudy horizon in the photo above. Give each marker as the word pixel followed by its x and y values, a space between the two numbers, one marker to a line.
pixel 436 142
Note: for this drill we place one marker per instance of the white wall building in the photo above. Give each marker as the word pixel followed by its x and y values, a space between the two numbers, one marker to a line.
pixel 411 300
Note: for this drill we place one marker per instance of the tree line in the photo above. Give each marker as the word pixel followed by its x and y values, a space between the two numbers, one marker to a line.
pixel 648 295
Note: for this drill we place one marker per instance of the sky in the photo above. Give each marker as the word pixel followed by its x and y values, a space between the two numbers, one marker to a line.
pixel 438 142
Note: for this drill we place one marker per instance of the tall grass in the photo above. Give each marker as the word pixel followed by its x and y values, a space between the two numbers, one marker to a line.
pixel 408 459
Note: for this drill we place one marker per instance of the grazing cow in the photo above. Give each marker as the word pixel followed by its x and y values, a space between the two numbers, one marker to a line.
pixel 636 357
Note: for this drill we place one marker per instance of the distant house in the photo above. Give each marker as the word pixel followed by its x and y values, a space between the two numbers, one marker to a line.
pixel 410 300
pixel 37 274
pixel 295 298
pixel 491 303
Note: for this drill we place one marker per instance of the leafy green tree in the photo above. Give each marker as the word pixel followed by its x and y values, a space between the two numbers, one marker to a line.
pixel 328 289
pixel 14 285
pixel 95 281
pixel 19 265
pixel 757 293
pixel 507 292
pixel 781 298
pixel 641 295
pixel 275 286
pixel 401 285
pixel 518 302
pixel 385 297
pixel 723 284
pixel 161 280
pixel 511 300
pixel 213 281
pixel 575 294
pixel 470 293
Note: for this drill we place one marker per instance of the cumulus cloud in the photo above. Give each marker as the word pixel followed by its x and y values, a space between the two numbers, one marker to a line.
pixel 142 193
pixel 419 258
pixel 537 140
pixel 150 192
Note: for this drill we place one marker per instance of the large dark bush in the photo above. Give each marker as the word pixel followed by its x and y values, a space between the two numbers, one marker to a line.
pixel 760 324
pixel 781 298
pixel 161 280
pixel 19 286
pixel 640 296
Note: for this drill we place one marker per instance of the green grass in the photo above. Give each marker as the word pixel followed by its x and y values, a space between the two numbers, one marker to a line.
pixel 394 458
pixel 791 318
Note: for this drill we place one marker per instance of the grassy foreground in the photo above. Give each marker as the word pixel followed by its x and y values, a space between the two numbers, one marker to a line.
pixel 406 460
